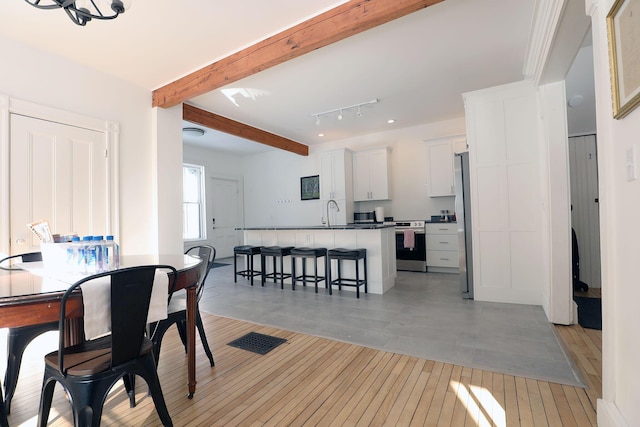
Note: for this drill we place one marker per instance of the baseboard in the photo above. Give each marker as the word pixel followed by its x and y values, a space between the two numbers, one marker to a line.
pixel 609 415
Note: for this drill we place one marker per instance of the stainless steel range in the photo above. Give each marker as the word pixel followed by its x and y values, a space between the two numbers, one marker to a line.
pixel 411 250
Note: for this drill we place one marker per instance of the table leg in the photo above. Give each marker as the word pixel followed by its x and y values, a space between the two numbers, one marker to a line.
pixel 191 339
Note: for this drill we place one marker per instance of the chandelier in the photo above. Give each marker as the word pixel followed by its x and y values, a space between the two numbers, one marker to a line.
pixel 83 11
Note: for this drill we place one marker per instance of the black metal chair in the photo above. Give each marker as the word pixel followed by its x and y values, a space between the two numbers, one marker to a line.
pixel 87 371
pixel 177 309
pixel 19 338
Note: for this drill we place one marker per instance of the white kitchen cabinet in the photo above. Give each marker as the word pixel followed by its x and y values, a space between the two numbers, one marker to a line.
pixel 371 174
pixel 336 183
pixel 442 247
pixel 335 174
pixel 441 152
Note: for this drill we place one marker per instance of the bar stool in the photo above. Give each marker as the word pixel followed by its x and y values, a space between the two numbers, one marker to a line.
pixel 275 252
pixel 305 254
pixel 248 251
pixel 341 254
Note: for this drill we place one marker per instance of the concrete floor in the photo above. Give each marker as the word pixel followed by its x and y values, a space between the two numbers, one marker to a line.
pixel 422 316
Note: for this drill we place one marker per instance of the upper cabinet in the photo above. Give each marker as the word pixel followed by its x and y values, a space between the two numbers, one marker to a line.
pixel 371 174
pixel 441 152
pixel 335 174
pixel 336 183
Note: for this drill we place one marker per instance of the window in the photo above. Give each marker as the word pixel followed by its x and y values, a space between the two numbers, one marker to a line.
pixel 193 202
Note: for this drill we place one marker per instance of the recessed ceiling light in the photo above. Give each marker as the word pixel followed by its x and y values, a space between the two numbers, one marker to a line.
pixel 321 134
pixel 391 121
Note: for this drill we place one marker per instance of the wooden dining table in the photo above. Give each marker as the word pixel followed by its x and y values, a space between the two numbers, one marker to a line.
pixel 30 299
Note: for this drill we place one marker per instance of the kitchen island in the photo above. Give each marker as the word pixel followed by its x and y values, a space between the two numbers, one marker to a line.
pixel 377 239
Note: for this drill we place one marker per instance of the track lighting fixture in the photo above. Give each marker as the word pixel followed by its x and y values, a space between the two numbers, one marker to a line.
pixel 341 111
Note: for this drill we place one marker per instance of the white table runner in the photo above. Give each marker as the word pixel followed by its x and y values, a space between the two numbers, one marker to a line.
pixel 95 296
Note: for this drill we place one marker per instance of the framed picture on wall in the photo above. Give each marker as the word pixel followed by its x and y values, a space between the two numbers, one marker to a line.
pixel 310 187
pixel 623 28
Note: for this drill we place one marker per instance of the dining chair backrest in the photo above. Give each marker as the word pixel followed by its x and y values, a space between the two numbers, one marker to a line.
pixel 6 263
pixel 130 299
pixel 208 254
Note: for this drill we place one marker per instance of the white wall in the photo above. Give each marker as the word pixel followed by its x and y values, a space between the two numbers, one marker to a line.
pixel 272 180
pixel 620 233
pixel 272 190
pixel 31 75
pixel 582 118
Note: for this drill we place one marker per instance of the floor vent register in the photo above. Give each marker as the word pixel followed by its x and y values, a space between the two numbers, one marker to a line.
pixel 257 343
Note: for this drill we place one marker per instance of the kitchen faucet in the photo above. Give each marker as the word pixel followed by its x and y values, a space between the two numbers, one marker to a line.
pixel 337 210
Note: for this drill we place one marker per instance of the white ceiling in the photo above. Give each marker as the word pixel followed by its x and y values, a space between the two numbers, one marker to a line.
pixel 416 66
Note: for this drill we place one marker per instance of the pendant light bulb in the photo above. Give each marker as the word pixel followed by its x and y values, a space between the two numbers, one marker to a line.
pixel 340 115
pixel 317 120
pixel 359 113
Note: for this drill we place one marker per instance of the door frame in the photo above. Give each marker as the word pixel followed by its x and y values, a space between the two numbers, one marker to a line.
pixel 110 129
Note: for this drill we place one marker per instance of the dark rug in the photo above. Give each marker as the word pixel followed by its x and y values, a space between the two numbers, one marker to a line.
pixel 218 264
pixel 257 343
pixel 589 312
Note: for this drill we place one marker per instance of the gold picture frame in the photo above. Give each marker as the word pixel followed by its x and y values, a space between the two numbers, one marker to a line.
pixel 623 28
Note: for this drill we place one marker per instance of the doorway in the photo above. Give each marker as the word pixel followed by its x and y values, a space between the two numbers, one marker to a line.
pixel 585 217
pixel 226 214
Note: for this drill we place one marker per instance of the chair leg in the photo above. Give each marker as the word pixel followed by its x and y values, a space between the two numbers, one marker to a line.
pixel 235 268
pixel 147 370
pixel 3 412
pixel 327 267
pixel 160 329
pixel 315 272
pixel 182 332
pixel 46 397
pixel 282 272
pixel 357 279
pixel 17 340
pixel 130 387
pixel 365 275
pixel 203 338
pixel 293 273
pixel 87 400
pixel 250 264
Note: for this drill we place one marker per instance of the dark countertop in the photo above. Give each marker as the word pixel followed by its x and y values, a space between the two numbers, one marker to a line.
pixel 323 227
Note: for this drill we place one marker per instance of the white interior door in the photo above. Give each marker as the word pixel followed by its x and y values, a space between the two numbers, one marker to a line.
pixel 58 173
pixel 225 215
pixel 585 217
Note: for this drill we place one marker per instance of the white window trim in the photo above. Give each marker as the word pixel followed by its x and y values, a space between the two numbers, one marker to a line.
pixel 203 228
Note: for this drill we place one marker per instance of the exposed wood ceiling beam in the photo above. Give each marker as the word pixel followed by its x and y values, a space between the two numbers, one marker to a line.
pixel 334 25
pixel 223 124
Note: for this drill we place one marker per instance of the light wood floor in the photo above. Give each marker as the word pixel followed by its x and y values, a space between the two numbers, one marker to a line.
pixel 316 381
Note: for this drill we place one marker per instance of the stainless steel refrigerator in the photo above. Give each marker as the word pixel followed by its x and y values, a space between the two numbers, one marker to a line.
pixel 463 219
